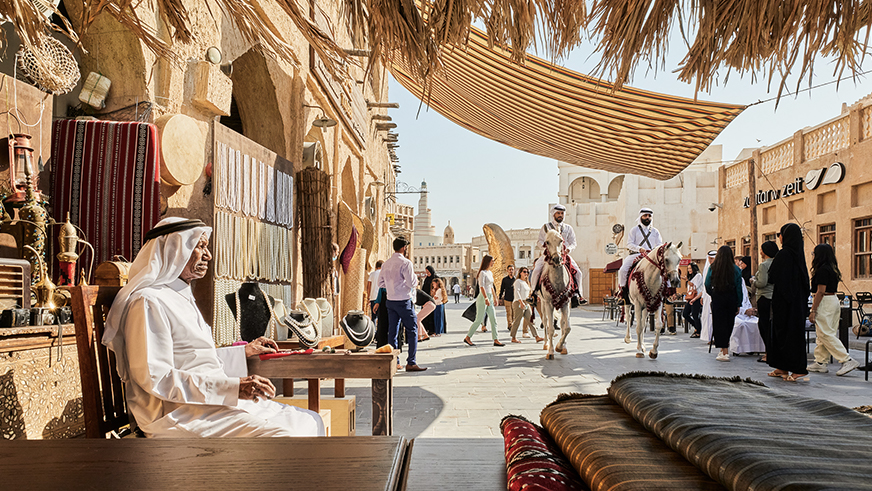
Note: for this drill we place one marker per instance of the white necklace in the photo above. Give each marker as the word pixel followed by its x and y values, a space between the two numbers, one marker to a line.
pixel 270 194
pixel 261 190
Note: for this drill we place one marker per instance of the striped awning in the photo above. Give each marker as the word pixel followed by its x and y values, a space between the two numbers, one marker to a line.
pixel 550 111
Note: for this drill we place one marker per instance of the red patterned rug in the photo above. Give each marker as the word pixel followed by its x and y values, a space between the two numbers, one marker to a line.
pixel 107 176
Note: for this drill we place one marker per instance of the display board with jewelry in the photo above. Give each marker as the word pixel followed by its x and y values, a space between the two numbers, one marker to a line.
pixel 253 239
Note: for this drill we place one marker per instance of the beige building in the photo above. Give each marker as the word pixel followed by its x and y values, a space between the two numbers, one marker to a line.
pixel 819 178
pixel 523 246
pixel 602 207
pixel 453 262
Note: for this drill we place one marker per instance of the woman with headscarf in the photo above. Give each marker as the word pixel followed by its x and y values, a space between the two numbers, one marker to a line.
pixel 724 284
pixel 788 274
pixel 825 312
pixel 763 291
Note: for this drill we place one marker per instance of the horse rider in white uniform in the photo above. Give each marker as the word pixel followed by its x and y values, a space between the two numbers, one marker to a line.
pixel 569 243
pixel 641 239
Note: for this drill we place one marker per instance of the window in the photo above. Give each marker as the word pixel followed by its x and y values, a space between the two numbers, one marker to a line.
pixel 827 235
pixel 862 248
pixel 438 259
pixel 458 259
pixel 444 260
pixel 451 259
pixel 746 246
pixel 767 237
pixel 732 244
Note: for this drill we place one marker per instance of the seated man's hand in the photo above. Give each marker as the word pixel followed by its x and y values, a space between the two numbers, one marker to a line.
pixel 260 346
pixel 255 387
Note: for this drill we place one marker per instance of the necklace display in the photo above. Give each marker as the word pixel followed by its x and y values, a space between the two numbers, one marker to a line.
pixel 273 320
pixel 252 236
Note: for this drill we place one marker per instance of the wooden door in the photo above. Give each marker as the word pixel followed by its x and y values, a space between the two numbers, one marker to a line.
pixel 601 285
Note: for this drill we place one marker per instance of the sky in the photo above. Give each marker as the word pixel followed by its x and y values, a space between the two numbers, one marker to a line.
pixel 473 180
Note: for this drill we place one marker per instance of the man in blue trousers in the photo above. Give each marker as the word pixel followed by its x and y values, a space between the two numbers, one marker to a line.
pixel 398 279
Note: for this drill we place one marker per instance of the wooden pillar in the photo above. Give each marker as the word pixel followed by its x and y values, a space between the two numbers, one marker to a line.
pixel 752 188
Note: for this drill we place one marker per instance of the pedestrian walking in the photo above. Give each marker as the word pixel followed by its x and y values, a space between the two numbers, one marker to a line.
pixel 788 274
pixel 456 290
pixel 724 285
pixel 440 297
pixel 484 301
pixel 825 312
pixel 507 293
pixel 522 309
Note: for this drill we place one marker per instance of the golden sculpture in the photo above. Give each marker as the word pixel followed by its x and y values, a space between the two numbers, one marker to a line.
pixel 499 246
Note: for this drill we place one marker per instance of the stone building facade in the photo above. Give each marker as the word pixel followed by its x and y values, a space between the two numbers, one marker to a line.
pixel 597 201
pixel 820 179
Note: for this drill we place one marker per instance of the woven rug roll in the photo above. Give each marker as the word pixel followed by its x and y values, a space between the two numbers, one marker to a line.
pixel 352 295
pixel 747 436
pixel 107 176
pixel 611 451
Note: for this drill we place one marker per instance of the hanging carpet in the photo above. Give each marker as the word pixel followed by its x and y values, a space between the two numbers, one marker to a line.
pixel 107 176
pixel 550 111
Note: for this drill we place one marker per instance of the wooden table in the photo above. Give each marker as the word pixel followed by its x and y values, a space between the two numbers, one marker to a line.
pixel 456 463
pixel 366 463
pixel 379 367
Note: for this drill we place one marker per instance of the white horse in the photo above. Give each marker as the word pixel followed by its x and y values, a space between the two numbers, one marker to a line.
pixel 555 293
pixel 654 268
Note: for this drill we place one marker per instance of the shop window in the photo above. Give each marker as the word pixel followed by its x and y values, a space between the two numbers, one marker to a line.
pixel 827 235
pixel 768 215
pixel 862 248
pixel 826 202
pixel 732 245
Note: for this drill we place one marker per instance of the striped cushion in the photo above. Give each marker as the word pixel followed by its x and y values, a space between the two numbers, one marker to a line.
pixel 612 451
pixel 532 461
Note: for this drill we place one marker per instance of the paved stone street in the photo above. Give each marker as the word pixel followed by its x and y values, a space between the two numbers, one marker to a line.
pixel 467 390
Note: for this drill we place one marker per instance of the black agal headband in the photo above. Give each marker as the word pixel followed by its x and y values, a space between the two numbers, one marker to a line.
pixel 172 228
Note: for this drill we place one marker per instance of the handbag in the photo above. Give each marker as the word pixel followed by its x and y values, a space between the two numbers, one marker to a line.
pixel 470 312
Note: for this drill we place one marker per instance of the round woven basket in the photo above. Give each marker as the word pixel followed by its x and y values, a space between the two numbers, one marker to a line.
pixel 51 67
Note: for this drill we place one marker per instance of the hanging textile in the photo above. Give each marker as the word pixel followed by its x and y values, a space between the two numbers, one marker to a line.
pixel 107 176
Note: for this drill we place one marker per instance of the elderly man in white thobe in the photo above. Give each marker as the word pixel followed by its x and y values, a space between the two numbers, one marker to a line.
pixel 640 239
pixel 569 243
pixel 746 334
pixel 177 384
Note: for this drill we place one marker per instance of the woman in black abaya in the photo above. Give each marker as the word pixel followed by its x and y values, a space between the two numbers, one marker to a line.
pixel 789 275
pixel 429 324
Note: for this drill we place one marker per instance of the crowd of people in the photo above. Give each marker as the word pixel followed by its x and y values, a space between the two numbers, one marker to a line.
pixel 786 298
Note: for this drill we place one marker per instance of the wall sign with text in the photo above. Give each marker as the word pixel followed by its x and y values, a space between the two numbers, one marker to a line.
pixel 813 179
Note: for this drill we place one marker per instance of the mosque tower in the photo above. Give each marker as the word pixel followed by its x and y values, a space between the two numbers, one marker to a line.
pixel 425 232
pixel 448 235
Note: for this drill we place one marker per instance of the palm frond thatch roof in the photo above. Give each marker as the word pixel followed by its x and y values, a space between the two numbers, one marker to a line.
pixel 778 39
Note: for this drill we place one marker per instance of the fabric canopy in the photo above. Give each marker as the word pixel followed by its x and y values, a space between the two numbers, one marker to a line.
pixel 550 111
